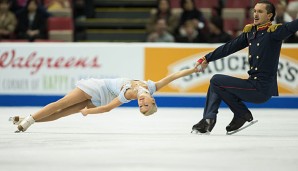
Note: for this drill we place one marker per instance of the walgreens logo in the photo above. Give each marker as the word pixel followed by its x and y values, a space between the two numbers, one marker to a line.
pixel 35 62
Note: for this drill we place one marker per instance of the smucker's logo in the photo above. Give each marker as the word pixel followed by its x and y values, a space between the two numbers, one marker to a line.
pixel 287 74
pixel 235 65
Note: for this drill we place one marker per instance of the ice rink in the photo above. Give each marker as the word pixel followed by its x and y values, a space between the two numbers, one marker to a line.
pixel 125 140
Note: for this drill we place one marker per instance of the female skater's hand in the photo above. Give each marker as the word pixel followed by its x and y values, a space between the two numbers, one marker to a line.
pixel 84 111
pixel 201 64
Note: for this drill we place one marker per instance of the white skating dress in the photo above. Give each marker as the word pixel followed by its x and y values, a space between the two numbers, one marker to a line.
pixel 103 91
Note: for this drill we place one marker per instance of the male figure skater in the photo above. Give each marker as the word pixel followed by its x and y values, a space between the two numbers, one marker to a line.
pixel 264 42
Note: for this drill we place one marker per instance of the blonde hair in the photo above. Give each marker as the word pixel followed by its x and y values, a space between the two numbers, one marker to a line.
pixel 152 110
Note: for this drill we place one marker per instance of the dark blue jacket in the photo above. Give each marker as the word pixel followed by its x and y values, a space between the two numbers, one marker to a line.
pixel 264 50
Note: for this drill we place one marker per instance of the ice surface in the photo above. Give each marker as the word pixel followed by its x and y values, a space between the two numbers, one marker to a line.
pixel 123 139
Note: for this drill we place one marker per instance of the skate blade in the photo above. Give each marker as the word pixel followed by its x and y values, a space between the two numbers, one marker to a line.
pixel 11 119
pixel 199 133
pixel 16 120
pixel 242 128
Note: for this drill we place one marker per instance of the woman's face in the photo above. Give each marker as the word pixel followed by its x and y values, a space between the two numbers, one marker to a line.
pixel 145 102
pixel 4 7
pixel 32 6
pixel 163 6
pixel 188 5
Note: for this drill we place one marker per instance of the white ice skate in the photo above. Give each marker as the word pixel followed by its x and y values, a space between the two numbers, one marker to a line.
pixel 25 124
pixel 16 120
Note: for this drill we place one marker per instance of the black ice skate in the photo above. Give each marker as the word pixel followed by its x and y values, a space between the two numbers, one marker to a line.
pixel 238 122
pixel 205 126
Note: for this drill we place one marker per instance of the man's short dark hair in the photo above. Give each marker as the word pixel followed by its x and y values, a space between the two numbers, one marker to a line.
pixel 4 1
pixel 269 7
pixel 182 2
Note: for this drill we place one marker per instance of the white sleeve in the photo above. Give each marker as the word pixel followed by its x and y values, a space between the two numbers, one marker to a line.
pixel 121 96
pixel 151 86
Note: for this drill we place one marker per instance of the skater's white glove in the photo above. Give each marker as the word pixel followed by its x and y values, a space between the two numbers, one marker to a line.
pixel 84 111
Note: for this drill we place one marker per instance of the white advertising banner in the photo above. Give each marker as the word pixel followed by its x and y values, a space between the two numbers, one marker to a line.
pixel 54 68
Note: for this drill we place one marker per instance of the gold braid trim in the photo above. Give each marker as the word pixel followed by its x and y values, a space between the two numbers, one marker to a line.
pixel 248 28
pixel 273 27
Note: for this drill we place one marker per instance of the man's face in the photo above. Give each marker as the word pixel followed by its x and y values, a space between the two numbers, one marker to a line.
pixel 161 26
pixel 32 6
pixel 260 14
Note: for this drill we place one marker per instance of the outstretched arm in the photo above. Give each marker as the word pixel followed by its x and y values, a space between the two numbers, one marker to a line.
pixel 283 31
pixel 102 109
pixel 166 80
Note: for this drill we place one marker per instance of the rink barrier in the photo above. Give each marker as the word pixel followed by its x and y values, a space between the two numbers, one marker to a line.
pixel 162 101
pixel 37 74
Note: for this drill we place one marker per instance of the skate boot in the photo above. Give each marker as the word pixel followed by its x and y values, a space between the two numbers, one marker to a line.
pixel 16 120
pixel 25 124
pixel 238 122
pixel 205 126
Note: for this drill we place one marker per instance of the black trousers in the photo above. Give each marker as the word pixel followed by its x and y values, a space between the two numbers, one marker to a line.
pixel 233 91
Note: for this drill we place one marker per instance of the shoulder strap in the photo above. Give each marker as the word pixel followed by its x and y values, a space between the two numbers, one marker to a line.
pixel 248 28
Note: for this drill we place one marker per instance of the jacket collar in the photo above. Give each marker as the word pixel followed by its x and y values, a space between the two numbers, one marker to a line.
pixel 263 26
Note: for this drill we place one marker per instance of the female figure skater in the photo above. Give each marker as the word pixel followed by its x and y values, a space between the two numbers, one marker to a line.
pixel 94 96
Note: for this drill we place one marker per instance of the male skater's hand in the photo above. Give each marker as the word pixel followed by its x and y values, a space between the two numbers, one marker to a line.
pixel 201 64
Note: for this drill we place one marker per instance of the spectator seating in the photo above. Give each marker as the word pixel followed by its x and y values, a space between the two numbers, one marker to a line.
pixel 199 3
pixel 207 12
pixel 175 4
pixel 293 8
pixel 119 35
pixel 231 26
pixel 248 21
pixel 238 4
pixel 65 12
pixel 206 3
pixel 273 1
pixel 47 2
pixel 235 13
pixel 24 40
pixel 60 28
pixel 14 40
pixel 115 20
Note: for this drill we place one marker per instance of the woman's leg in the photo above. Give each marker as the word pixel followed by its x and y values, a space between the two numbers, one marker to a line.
pixel 67 111
pixel 74 97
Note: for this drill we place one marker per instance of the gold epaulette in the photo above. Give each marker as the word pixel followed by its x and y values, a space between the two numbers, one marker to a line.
pixel 273 27
pixel 247 28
